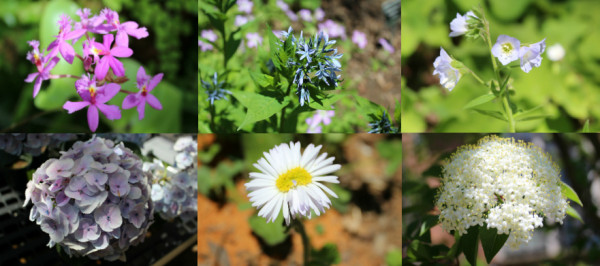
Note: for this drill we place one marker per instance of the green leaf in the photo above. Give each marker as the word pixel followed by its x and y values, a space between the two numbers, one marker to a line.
pixel 394 257
pixel 494 114
pixel 573 213
pixel 327 255
pixel 428 222
pixel 231 46
pixel 261 80
pixel 570 193
pixel 532 117
pixel 273 48
pixel 325 103
pixel 525 114
pixel 469 244
pixel 480 100
pixel 491 241
pixel 272 233
pixel 586 127
pixel 260 107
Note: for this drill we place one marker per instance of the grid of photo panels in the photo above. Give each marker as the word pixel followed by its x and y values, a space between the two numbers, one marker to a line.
pixel 500 121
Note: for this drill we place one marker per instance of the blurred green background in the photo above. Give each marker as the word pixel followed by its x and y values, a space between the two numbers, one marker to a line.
pixel 170 48
pixel 567 91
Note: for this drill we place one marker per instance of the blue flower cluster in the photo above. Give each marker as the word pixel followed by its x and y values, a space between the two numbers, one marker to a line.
pixel 92 201
pixel 175 189
pixel 215 89
pixel 382 125
pixel 315 63
pixel 33 144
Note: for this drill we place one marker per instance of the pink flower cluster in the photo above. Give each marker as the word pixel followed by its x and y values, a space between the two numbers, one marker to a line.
pixel 98 85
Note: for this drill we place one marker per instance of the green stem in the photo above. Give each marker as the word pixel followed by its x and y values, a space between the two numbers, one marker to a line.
pixel 477 77
pixel 305 242
pixel 282 117
pixel 212 117
pixel 511 121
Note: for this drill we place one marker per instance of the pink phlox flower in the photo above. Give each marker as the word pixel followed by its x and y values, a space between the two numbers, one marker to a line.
pixel 291 15
pixel 319 14
pixel 283 6
pixel 43 64
pixel 360 39
pixel 386 45
pixel 245 6
pixel 210 36
pixel 108 57
pixel 333 29
pixel 321 116
pixel 124 29
pixel 146 84
pixel 95 98
pixel 65 34
pixel 305 14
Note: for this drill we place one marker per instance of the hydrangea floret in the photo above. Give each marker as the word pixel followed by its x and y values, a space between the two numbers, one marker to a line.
pixel 103 71
pixel 93 201
pixel 501 183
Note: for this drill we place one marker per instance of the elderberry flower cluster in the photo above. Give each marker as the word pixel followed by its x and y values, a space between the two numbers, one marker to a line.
pixel 92 201
pixel 33 144
pixel 175 188
pixel 103 71
pixel 314 63
pixel 501 183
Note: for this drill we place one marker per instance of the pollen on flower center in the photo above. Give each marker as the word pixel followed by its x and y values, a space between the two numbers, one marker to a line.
pixel 92 90
pixel 294 177
pixel 507 47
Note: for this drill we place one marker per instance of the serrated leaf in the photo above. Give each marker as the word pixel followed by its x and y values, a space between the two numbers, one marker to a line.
pixel 570 193
pixel 494 114
pixel 260 107
pixel 261 80
pixel 586 127
pixel 469 244
pixel 573 213
pixel 272 233
pixel 480 100
pixel 491 241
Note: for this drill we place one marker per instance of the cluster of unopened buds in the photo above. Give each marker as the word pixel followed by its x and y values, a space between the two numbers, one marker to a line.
pixel 103 71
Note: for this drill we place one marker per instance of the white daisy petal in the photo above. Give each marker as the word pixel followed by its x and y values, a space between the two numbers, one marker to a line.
pixel 329 178
pixel 327 169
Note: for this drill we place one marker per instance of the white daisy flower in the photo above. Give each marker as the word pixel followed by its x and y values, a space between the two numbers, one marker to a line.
pixel 290 181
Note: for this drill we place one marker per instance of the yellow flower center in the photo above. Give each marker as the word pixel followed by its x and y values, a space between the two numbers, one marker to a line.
pixel 507 47
pixel 294 177
pixel 92 90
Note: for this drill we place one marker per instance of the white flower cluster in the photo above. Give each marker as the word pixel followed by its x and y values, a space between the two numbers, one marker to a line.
pixel 175 189
pixel 501 183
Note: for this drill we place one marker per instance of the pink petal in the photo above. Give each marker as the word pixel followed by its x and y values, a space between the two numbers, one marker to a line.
pixel 122 39
pixel 121 52
pixel 37 86
pixel 111 112
pixel 76 34
pixel 141 109
pixel 31 77
pixel 116 66
pixel 132 29
pixel 153 101
pixel 108 39
pixel 74 106
pixel 155 80
pixel 130 101
pixel 102 68
pixel 52 45
pixel 67 52
pixel 52 63
pixel 92 116
pixel 110 90
pixel 141 75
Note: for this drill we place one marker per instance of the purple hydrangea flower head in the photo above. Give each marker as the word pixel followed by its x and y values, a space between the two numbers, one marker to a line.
pixel 108 59
pixel 506 49
pixel 174 191
pixel 386 45
pixel 43 64
pixel 146 84
pixel 95 99
pixel 319 14
pixel 334 30
pixel 64 35
pixel 459 25
pixel 531 56
pixel 86 218
pixel 254 39
pixel 449 76
pixel 320 116
pixel 305 14
pixel 360 39
pixel 125 29
pixel 210 36
pixel 245 6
